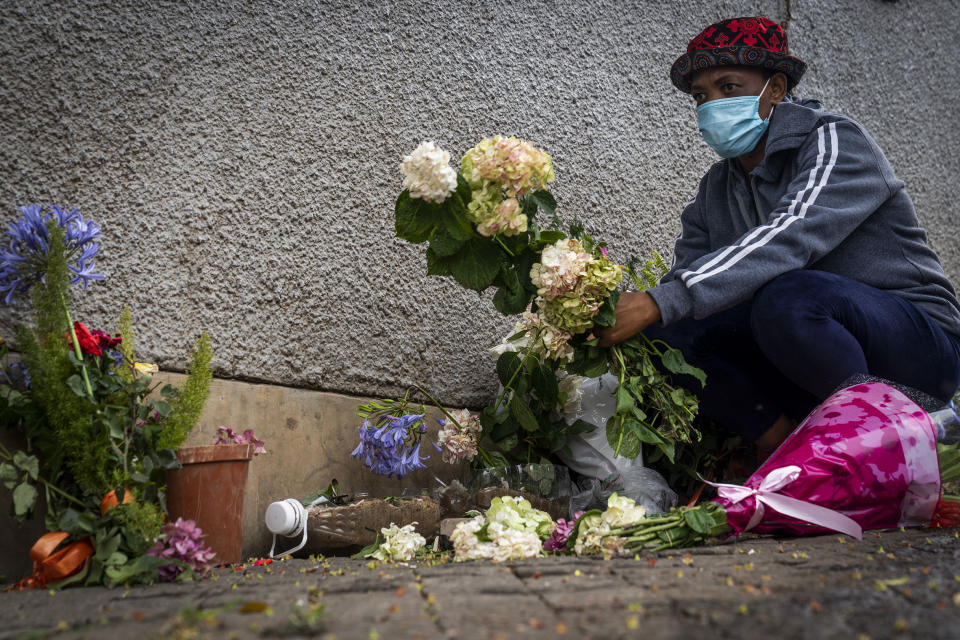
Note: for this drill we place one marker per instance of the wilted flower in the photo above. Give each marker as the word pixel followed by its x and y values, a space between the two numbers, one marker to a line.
pixel 427 173
pixel 145 368
pixel 181 540
pixel 22 262
pixel 392 448
pixel 226 435
pixel 537 338
pixel 456 443
pixel 570 388
pixel 399 543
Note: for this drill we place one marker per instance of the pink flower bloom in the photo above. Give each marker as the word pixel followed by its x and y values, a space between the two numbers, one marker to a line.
pixel 181 540
pixel 226 435
pixel 561 533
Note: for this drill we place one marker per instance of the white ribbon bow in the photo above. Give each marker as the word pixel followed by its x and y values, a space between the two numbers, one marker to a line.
pixel 766 494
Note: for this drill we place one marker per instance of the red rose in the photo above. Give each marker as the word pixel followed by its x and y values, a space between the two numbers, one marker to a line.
pixel 105 340
pixel 88 344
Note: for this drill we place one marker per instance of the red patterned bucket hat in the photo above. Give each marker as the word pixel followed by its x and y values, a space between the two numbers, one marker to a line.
pixel 753 42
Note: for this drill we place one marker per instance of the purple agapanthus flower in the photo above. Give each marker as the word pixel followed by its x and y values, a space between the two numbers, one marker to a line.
pixel 21 261
pixel 393 448
pixel 182 540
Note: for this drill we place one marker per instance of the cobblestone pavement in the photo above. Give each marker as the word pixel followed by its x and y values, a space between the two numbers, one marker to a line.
pixel 896 583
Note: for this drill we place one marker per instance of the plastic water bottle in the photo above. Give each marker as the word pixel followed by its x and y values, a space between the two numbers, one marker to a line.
pixel 287 518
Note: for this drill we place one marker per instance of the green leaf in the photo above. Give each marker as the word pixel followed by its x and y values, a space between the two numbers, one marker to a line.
pixel 8 475
pixel 443 244
pixel 510 443
pixel 141 569
pixel 545 200
pixel 623 439
pixel 511 302
pixel 590 362
pixel 455 219
pixel 606 315
pixel 107 547
pixel 504 430
pixel 511 298
pixel 674 361
pixel 414 218
pixel 437 265
pixel 581 426
pixel 625 401
pixel 24 499
pixel 699 520
pixel 162 407
pixel 507 365
pixel 369 550
pixel 476 264
pixel 498 459
pixel 27 463
pixel 169 391
pixel 523 414
pixel 545 384
pixel 69 520
pixel 75 382
pixel 551 237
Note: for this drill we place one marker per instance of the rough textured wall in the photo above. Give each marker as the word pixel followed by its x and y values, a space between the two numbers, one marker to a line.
pixel 242 158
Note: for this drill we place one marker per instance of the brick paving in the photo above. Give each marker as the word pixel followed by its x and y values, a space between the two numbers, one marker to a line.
pixel 890 584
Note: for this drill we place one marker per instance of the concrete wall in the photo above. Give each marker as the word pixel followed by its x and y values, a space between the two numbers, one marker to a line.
pixel 309 436
pixel 242 157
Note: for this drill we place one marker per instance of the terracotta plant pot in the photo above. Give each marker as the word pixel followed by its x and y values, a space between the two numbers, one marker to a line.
pixel 209 490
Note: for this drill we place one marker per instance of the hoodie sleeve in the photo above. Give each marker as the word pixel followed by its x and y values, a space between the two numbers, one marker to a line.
pixel 841 179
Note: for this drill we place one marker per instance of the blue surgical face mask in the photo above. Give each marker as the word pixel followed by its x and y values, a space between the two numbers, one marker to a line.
pixel 733 126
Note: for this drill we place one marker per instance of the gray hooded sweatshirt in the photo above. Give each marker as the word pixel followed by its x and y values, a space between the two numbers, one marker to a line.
pixel 823 198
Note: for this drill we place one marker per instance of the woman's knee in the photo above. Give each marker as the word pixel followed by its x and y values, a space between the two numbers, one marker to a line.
pixel 788 298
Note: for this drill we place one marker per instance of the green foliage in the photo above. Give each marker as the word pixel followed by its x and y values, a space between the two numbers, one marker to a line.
pixel 188 403
pixel 73 438
pixel 681 527
pixel 125 329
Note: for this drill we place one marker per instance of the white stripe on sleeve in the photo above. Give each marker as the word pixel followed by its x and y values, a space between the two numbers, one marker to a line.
pixel 763 234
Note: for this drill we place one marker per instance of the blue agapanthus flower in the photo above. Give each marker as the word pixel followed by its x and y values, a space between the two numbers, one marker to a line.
pixel 393 448
pixel 21 261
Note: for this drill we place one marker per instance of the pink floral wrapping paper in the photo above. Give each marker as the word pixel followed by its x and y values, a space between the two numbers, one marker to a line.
pixel 868 452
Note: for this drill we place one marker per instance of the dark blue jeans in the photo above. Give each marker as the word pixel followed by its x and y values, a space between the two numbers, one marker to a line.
pixel 801 336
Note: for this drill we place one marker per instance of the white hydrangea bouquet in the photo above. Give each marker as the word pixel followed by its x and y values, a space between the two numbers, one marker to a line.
pixel 481 228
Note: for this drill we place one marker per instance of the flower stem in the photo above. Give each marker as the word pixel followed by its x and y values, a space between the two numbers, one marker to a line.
pixel 76 348
pixel 500 242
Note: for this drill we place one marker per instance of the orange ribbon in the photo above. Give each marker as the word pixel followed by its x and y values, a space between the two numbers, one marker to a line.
pixel 50 565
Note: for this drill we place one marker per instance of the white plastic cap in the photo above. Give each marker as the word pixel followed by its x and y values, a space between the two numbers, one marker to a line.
pixel 284 517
